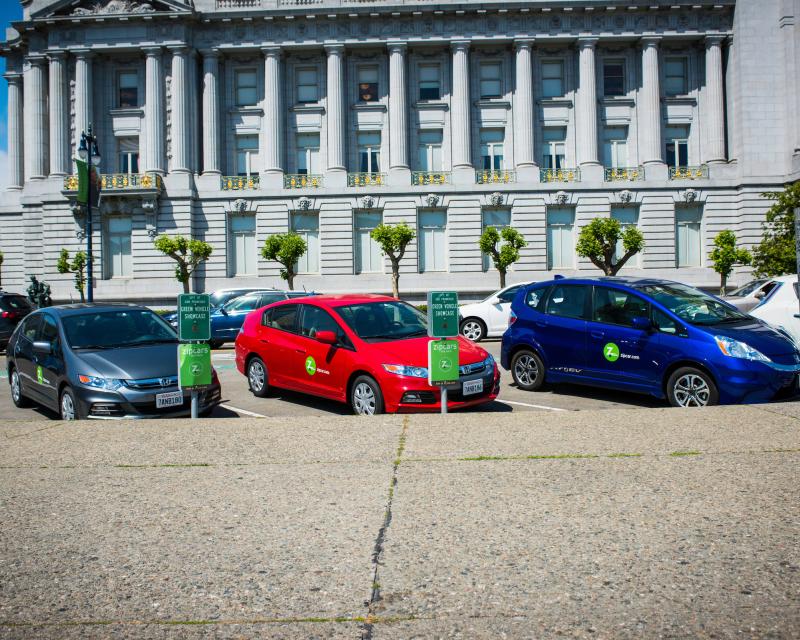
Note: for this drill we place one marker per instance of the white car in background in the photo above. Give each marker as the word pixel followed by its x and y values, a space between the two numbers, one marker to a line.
pixel 750 295
pixel 776 303
pixel 488 318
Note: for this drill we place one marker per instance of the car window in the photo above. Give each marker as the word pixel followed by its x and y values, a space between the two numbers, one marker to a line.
pixel 508 294
pixel 244 303
pixel 692 305
pixel 30 326
pixel 118 328
pixel 535 298
pixel 48 330
pixel 567 301
pixel 381 321
pixel 283 317
pixel 614 306
pixel 269 298
pixel 298 294
pixel 14 303
pixel 747 289
pixel 663 323
pixel 769 287
pixel 315 319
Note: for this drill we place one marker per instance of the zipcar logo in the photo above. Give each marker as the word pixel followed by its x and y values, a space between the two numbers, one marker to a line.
pixel 611 352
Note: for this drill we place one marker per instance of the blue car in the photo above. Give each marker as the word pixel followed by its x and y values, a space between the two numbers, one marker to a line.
pixel 649 336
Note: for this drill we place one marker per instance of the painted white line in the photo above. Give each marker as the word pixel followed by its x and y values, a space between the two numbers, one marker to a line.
pixel 533 406
pixel 223 356
pixel 242 411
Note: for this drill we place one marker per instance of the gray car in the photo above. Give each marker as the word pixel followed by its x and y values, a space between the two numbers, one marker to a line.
pixel 100 361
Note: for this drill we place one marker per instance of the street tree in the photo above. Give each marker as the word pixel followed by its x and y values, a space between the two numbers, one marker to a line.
pixel 393 240
pixel 776 254
pixel 188 253
pixel 726 255
pixel 2 257
pixel 505 254
pixel 76 266
pixel 285 249
pixel 598 242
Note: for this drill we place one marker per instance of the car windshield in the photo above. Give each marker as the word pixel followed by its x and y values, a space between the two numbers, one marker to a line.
pixel 384 321
pixel 747 289
pixel 121 328
pixel 692 305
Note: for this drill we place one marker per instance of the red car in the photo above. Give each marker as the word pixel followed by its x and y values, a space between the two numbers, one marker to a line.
pixel 368 351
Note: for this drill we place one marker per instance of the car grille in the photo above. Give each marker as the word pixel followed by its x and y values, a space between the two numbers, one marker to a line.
pixel 152 383
pixel 471 369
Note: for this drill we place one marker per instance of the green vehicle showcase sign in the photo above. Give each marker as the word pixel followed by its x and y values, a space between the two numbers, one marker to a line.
pixel 194 366
pixel 442 362
pixel 442 314
pixel 194 317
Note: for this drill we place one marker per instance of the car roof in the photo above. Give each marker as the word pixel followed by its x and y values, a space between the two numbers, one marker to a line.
pixel 338 300
pixel 626 281
pixel 84 307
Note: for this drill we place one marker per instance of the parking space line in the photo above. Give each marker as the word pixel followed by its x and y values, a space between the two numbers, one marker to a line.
pixel 242 411
pixel 533 406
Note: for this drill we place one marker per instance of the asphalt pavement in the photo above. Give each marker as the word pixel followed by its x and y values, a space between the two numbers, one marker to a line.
pixel 639 523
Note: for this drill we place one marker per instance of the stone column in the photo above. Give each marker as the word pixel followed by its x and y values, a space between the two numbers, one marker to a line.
pixel 83 94
pixel 523 114
pixel 337 169
pixel 650 106
pixel 35 101
pixel 211 114
pixel 194 141
pixel 180 110
pixel 272 124
pixel 154 112
pixel 59 115
pixel 460 120
pixel 586 109
pixel 713 102
pixel 400 173
pixel 16 169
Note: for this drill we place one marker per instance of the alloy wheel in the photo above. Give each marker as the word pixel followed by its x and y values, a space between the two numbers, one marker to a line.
pixel 526 370
pixel 364 399
pixel 257 376
pixel 472 330
pixel 67 407
pixel 691 391
pixel 16 392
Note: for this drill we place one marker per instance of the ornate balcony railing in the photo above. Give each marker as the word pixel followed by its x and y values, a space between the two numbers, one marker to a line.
pixel 430 177
pixel 565 174
pixel 495 177
pixel 688 173
pixel 302 181
pixel 365 179
pixel 121 182
pixel 238 4
pixel 624 174
pixel 239 183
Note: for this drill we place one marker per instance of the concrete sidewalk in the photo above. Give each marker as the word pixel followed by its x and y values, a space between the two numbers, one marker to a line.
pixel 637 523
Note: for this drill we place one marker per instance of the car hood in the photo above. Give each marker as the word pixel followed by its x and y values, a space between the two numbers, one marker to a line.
pixel 133 363
pixel 758 335
pixel 413 352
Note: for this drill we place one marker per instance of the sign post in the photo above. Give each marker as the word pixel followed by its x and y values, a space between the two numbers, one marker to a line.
pixel 443 354
pixel 194 358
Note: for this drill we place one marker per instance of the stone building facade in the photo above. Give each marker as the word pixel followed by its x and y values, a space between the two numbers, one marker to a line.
pixel 229 120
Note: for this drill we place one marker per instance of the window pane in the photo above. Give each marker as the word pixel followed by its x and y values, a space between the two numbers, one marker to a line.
pixel 552 88
pixel 432 247
pixel 128 89
pixel 368 254
pixel 307 226
pixel 307 85
pixel 553 79
pixel 429 82
pixel 491 80
pixel 675 76
pixel 688 236
pixel 614 78
pixel 560 223
pixel 120 263
pixel 246 85
pixel 553 134
pixel 368 84
pixel 430 136
pixel 567 301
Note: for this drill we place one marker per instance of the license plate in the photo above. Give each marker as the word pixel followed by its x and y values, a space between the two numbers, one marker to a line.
pixel 472 387
pixel 171 399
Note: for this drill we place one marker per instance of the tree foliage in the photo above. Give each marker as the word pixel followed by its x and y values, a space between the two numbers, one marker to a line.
pixel 393 240
pixel 598 242
pixel 726 255
pixel 776 254
pixel 187 252
pixel 503 256
pixel 76 266
pixel 286 249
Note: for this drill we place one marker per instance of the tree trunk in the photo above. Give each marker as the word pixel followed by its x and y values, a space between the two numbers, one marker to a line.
pixel 396 281
pixel 502 278
pixel 290 279
pixel 723 284
pixel 186 285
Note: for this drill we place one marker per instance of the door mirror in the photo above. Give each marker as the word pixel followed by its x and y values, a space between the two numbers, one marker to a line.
pixel 760 295
pixel 40 346
pixel 495 300
pixel 642 324
pixel 223 311
pixel 327 337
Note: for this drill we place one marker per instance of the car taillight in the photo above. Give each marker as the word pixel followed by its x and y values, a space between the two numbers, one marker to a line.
pixel 9 315
pixel 512 318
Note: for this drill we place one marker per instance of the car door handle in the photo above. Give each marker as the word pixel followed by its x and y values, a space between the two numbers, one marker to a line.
pixel 541 324
pixel 264 340
pixel 598 334
pixel 300 351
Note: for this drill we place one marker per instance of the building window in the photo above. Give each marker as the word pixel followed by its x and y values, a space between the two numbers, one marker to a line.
pixel 492 149
pixel 432 241
pixel 119 262
pixel 246 153
pixel 307 226
pixel 688 236
pixel 429 82
pixel 308 153
pixel 368 84
pixel 560 240
pixel 499 219
pixel 627 217
pixel 553 147
pixel 307 89
pixel 368 256
pixel 430 150
pixel 677 149
pixel 246 87
pixel 614 78
pixel 128 155
pixel 552 78
pixel 128 90
pixel 369 151
pixel 243 259
pixel 491 79
pixel 676 76
pixel 615 147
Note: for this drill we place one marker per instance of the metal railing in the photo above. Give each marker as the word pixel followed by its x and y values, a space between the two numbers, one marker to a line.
pixel 430 177
pixel 565 174
pixel 688 173
pixel 365 179
pixel 302 181
pixel 239 183
pixel 120 181
pixel 495 177
pixel 624 174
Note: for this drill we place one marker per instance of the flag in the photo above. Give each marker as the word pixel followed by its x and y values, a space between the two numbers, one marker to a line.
pixel 83 181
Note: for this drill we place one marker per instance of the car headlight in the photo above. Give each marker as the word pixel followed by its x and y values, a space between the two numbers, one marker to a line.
pixel 736 349
pixel 489 362
pixel 403 370
pixel 109 384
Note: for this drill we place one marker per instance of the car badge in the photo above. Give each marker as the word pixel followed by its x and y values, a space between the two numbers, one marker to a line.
pixel 165 382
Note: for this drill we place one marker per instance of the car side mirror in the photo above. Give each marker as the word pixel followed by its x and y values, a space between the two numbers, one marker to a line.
pixel 642 323
pixel 223 311
pixel 495 300
pixel 327 337
pixel 760 295
pixel 41 346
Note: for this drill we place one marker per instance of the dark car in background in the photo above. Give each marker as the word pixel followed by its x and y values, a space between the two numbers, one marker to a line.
pixel 100 361
pixel 13 308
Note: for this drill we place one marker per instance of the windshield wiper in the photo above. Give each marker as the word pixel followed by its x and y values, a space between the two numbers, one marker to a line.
pixel 418 332
pixel 92 346
pixel 157 341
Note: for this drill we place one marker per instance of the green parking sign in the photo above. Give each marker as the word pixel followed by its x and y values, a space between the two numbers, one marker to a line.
pixel 194 317
pixel 194 366
pixel 442 314
pixel 442 362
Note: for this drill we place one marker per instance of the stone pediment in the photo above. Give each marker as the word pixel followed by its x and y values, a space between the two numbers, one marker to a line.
pixel 92 8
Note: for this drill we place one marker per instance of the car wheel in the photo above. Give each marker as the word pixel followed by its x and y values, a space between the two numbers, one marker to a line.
pixel 473 329
pixel 68 406
pixel 215 344
pixel 18 399
pixel 528 370
pixel 366 398
pixel 257 377
pixel 690 387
